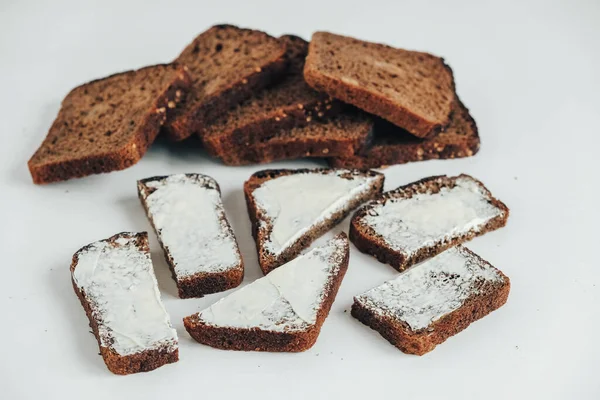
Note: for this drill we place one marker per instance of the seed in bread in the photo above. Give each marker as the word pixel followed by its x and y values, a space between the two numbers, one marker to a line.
pixel 413 90
pixel 419 220
pixel 108 124
pixel 434 300
pixel 115 283
pixel 291 208
pixel 227 65
pixel 187 214
pixel 283 311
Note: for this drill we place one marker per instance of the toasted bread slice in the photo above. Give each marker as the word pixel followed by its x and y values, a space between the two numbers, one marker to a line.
pixel 289 209
pixel 115 283
pixel 227 64
pixel 410 89
pixel 187 214
pixel 434 300
pixel 108 124
pixel 391 145
pixel 419 220
pixel 283 311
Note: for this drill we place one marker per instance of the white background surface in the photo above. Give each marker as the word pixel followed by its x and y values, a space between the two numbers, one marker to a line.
pixel 528 71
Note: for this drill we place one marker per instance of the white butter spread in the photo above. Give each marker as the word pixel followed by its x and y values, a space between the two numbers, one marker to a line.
pixel 407 225
pixel 118 282
pixel 428 291
pixel 295 203
pixel 190 222
pixel 286 299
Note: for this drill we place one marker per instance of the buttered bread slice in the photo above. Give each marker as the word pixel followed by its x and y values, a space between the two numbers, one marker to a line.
pixel 283 311
pixel 291 208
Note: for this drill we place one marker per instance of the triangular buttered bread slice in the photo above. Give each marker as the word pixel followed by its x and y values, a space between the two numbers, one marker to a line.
pixel 291 208
pixel 283 311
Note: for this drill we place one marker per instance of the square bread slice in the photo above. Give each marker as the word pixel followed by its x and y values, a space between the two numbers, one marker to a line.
pixel 188 217
pixel 410 89
pixel 391 145
pixel 342 136
pixel 283 311
pixel 288 103
pixel 227 65
pixel 115 283
pixel 434 300
pixel 289 209
pixel 108 124
pixel 419 220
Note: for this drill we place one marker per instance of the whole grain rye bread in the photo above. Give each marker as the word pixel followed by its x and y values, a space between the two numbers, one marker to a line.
pixel 188 217
pixel 115 283
pixel 288 103
pixel 341 136
pixel 434 300
pixel 410 89
pixel 289 209
pixel 227 64
pixel 419 220
pixel 391 145
pixel 283 311
pixel 108 124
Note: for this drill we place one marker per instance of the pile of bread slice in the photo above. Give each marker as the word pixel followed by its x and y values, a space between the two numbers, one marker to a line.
pixel 252 98
pixel 417 229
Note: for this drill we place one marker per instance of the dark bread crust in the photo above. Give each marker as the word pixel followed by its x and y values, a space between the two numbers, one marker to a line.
pixel 266 259
pixel 368 100
pixel 115 159
pixel 193 117
pixel 122 365
pixel 261 340
pixel 392 146
pixel 367 241
pixel 425 340
pixel 204 283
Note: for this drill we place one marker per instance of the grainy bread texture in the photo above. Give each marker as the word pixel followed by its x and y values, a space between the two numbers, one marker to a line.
pixel 434 300
pixel 227 65
pixel 115 283
pixel 410 89
pixel 188 217
pixel 289 209
pixel 287 103
pixel 391 145
pixel 293 300
pixel 108 124
pixel 342 136
pixel 419 220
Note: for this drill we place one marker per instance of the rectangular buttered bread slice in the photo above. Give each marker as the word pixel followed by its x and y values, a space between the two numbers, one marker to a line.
pixel 413 90
pixel 227 65
pixel 419 220
pixel 289 209
pixel 108 124
pixel 434 300
pixel 283 311
pixel 115 283
pixel 188 217
pixel 391 145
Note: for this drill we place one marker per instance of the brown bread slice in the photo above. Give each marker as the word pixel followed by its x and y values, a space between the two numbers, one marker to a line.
pixel 342 136
pixel 410 89
pixel 227 65
pixel 188 217
pixel 434 300
pixel 288 103
pixel 108 124
pixel 419 220
pixel 115 283
pixel 292 302
pixel 391 145
pixel 289 209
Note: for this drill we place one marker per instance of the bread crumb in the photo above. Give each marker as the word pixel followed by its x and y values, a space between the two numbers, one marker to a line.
pixel 244 81
pixel 171 104
pixel 308 119
pixel 258 69
pixel 325 151
pixel 300 106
